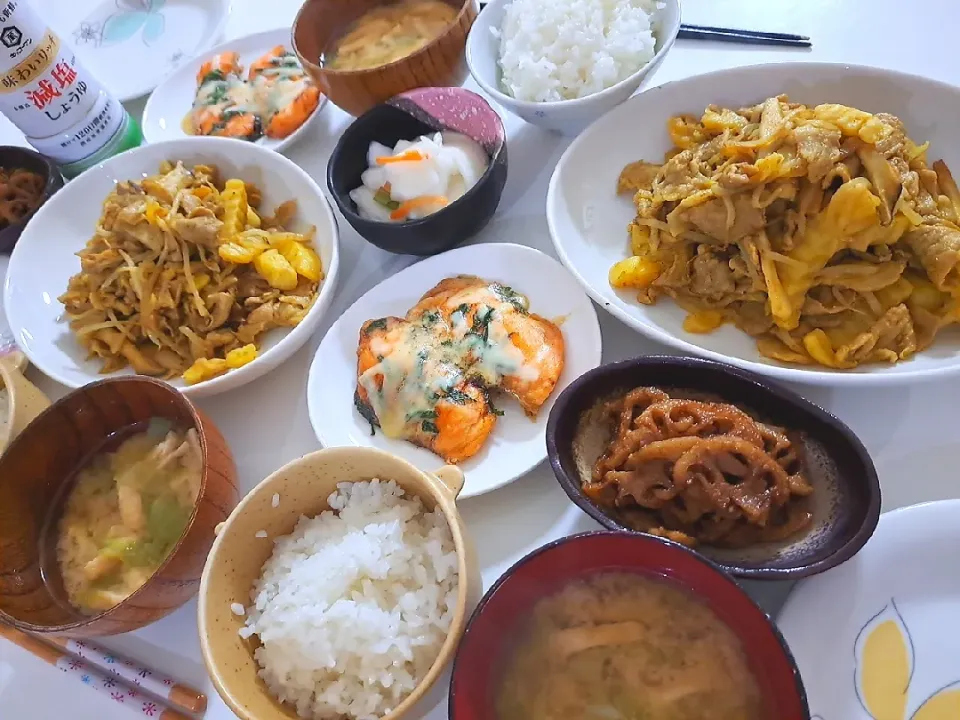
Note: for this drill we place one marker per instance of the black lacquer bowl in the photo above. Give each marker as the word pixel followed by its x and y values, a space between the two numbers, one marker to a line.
pixel 408 116
pixel 846 498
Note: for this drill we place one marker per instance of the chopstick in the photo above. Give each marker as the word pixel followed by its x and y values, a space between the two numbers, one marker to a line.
pixel 111 680
pixel 747 37
pixel 179 696
pixel 731 35
pixel 758 33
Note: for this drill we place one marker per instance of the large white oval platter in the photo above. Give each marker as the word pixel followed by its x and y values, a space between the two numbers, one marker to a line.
pixel 45 258
pixel 878 637
pixel 170 103
pixel 517 444
pixel 588 221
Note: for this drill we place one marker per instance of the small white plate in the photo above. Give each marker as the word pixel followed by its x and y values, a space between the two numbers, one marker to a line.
pixel 516 445
pixel 170 103
pixel 132 45
pixel 44 258
pixel 878 637
pixel 588 221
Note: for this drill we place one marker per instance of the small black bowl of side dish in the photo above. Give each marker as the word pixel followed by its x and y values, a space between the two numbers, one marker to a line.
pixel 27 180
pixel 408 116
pixel 771 488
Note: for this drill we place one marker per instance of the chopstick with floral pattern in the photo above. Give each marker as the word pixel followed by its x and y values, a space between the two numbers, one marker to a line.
pixel 117 689
pixel 176 694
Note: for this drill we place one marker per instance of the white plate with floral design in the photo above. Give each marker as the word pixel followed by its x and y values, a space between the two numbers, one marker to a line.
pixel 516 445
pixel 877 638
pixel 132 45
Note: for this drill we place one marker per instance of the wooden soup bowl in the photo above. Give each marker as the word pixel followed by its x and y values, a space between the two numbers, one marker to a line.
pixel 440 63
pixel 38 469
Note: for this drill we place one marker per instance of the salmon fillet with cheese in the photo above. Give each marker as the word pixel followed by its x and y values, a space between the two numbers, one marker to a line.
pixel 426 378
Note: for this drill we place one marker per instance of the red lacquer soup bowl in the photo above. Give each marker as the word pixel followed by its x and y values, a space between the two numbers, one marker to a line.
pixel 503 611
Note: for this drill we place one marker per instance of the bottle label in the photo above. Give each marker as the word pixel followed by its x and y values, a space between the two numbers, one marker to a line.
pixel 88 136
pixel 43 88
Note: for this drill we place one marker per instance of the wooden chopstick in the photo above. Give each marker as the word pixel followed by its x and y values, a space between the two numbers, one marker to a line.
pixel 101 679
pixel 737 36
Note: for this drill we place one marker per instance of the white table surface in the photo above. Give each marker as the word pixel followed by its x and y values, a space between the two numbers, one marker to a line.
pixel 910 431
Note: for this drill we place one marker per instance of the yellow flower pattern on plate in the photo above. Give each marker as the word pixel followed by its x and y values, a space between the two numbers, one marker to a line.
pixel 884 656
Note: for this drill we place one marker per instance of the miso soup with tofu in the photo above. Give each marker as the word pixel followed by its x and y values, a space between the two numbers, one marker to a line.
pixel 125 513
pixel 621 646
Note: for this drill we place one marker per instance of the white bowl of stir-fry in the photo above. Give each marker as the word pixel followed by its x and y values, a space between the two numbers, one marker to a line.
pixel 205 262
pixel 799 220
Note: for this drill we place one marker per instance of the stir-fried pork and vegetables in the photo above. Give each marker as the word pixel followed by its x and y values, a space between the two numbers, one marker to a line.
pixel 183 275
pixel 820 231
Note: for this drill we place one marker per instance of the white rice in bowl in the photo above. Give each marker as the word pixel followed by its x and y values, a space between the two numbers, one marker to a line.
pixel 553 50
pixel 353 606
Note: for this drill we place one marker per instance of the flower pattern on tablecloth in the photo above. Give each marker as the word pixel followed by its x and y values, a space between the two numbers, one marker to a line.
pixel 118 696
pixel 168 681
pixel 149 709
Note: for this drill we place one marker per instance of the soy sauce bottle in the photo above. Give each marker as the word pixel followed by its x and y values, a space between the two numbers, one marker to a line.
pixel 63 111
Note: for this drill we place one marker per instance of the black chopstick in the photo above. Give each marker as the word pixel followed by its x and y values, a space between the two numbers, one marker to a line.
pixel 731 35
pixel 752 33
pixel 741 37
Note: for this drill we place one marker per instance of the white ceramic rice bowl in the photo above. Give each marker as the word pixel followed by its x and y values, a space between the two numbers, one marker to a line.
pixel 588 221
pixel 566 116
pixel 44 258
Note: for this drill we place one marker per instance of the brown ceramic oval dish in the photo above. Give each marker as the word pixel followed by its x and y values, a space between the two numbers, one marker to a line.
pixel 13 157
pixel 440 63
pixel 846 498
pixel 34 474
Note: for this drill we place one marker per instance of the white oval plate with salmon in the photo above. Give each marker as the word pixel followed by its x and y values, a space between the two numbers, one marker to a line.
pixel 458 357
pixel 169 111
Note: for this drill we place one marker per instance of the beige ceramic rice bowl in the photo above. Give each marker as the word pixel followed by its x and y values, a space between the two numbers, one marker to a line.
pixel 271 511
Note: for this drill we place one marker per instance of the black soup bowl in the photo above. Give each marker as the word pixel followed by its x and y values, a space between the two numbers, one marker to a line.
pixel 406 117
pixel 845 502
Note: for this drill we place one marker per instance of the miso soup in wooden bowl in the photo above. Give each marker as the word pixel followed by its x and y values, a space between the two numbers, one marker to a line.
pixel 109 501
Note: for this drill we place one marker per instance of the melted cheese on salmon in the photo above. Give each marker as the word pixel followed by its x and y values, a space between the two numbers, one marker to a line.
pixel 423 361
